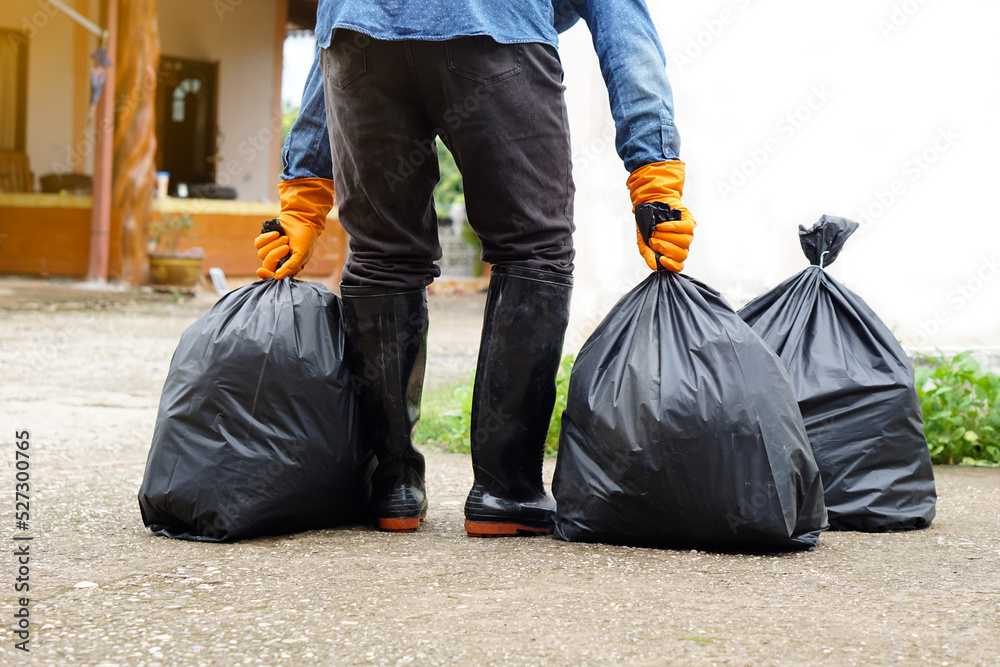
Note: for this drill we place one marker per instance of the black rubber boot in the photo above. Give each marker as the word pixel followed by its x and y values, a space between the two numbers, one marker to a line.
pixel 387 343
pixel 526 316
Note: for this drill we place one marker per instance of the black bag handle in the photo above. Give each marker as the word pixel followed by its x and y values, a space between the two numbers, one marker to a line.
pixel 648 216
pixel 274 226
pixel 823 242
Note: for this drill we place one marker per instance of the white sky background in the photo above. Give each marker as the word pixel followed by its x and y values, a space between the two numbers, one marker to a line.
pixel 895 75
pixel 298 57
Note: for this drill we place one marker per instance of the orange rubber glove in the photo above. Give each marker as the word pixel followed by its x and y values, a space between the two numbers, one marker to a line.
pixel 305 203
pixel 663 233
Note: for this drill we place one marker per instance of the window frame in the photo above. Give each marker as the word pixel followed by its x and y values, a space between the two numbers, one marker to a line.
pixel 21 42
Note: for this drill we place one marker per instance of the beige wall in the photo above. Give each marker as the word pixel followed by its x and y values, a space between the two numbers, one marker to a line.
pixel 51 93
pixel 240 37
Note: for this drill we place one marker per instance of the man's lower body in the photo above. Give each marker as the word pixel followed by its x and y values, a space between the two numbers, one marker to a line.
pixel 500 110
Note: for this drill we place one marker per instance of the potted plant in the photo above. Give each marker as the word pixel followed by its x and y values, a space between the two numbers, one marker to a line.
pixel 167 266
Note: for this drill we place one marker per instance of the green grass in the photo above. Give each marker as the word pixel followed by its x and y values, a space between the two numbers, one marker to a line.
pixel 445 417
pixel 960 403
pixel 446 414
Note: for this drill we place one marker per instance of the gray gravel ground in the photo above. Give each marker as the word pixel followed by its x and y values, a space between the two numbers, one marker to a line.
pixel 104 591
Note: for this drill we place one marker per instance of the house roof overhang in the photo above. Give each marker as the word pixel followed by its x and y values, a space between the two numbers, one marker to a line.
pixel 302 15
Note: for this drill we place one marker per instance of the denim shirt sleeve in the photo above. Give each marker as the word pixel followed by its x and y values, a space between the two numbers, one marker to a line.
pixel 306 153
pixel 634 69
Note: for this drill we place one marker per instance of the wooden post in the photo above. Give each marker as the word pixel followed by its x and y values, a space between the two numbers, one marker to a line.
pixel 138 58
pixel 104 130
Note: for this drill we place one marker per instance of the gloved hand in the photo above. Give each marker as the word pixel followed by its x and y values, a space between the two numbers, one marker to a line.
pixel 663 233
pixel 305 203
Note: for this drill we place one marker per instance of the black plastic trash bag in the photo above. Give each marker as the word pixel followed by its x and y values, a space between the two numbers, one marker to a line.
pixel 854 384
pixel 681 430
pixel 256 432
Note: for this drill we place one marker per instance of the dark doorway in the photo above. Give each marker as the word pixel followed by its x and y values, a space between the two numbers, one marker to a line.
pixel 186 123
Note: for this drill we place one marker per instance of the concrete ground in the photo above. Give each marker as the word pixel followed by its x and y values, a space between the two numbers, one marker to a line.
pixel 82 370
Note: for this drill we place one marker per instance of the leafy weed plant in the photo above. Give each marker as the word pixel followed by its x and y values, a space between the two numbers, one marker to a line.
pixel 446 414
pixel 961 408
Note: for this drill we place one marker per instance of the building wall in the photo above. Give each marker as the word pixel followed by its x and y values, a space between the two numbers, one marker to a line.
pixel 220 230
pixel 54 84
pixel 240 37
pixel 895 128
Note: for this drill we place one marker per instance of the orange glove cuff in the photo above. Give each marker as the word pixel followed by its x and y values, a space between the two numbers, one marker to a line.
pixel 660 181
pixel 307 200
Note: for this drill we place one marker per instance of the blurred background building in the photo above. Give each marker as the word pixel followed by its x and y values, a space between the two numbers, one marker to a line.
pixel 879 111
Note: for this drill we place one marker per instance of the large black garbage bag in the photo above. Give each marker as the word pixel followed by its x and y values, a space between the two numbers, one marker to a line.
pixel 854 384
pixel 681 430
pixel 256 432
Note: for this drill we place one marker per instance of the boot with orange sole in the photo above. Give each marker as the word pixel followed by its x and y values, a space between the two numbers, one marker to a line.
pixel 387 343
pixel 525 322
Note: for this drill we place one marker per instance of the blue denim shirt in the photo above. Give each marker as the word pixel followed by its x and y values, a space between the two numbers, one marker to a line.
pixel 632 63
